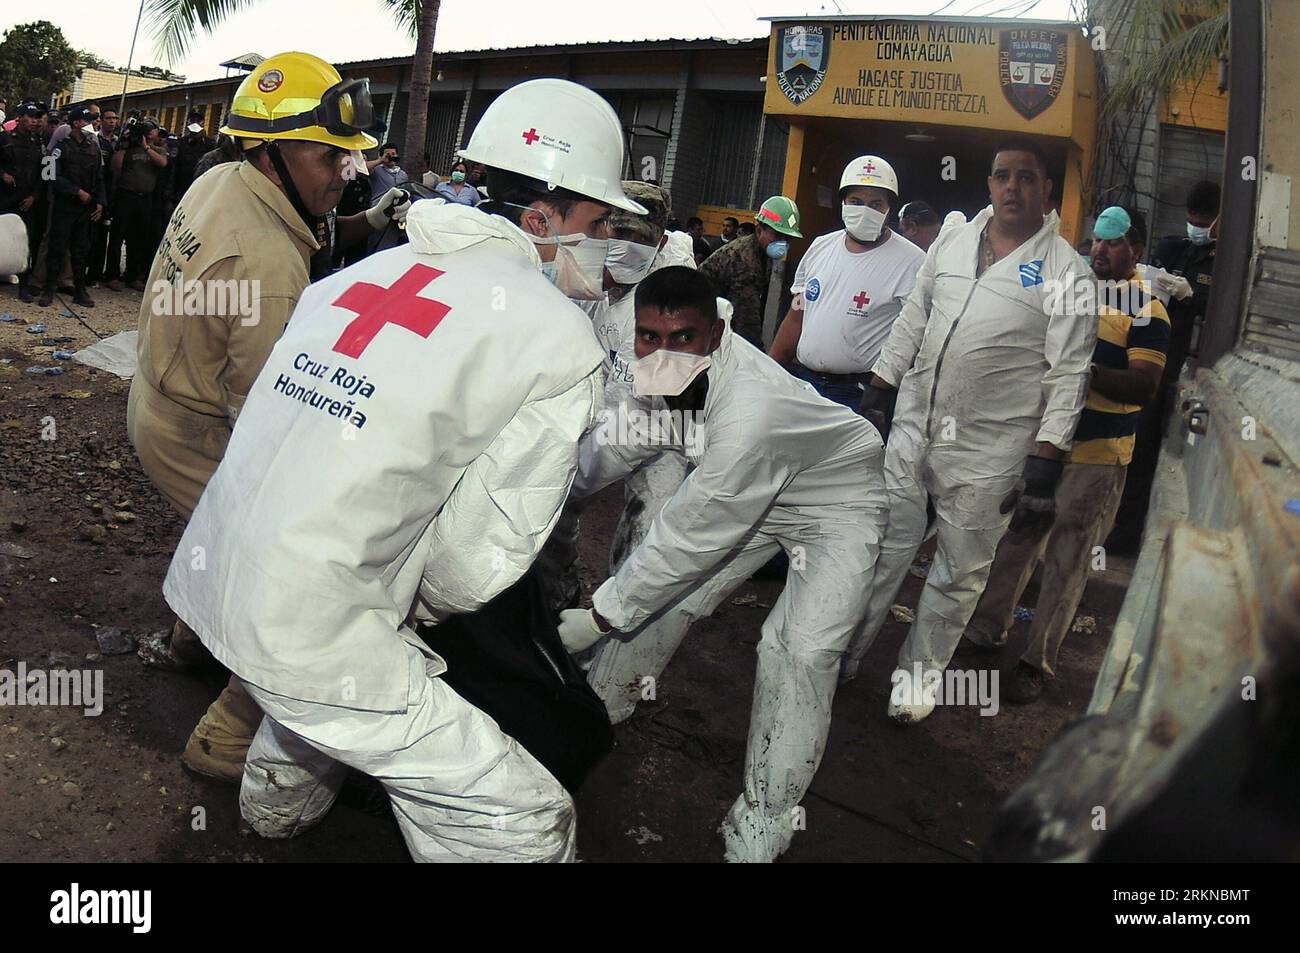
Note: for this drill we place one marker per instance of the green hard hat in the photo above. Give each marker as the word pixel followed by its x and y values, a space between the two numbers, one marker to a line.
pixel 781 215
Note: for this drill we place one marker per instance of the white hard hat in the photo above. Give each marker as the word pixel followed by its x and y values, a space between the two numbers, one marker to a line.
pixel 558 132
pixel 871 171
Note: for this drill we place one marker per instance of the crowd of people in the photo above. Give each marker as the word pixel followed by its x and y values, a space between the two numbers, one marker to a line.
pixel 403 445
pixel 94 193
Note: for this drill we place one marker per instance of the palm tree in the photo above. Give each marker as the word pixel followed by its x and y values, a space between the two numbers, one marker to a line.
pixel 1162 44
pixel 175 22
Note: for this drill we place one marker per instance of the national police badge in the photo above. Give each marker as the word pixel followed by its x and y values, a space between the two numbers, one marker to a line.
pixel 804 55
pixel 1031 67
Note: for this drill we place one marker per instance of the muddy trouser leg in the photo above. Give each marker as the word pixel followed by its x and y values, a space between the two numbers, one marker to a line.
pixel 799 656
pixel 461 789
pixel 1013 567
pixel 903 535
pixel 219 743
pixel 1086 501
pixel 957 575
pixel 645 491
pixel 623 669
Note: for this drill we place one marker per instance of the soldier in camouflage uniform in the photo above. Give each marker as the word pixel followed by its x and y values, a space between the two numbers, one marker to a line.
pixel 740 269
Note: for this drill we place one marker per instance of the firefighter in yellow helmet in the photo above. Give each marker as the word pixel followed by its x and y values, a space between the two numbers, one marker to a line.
pixel 232 263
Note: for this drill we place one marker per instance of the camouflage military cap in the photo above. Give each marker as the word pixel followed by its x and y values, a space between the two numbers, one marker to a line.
pixel 648 228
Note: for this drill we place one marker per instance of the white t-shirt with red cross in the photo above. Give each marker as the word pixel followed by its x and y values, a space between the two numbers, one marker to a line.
pixel 851 299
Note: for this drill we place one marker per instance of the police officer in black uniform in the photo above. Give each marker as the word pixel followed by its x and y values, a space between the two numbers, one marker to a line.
pixel 1191 256
pixel 21 161
pixel 78 200
pixel 107 138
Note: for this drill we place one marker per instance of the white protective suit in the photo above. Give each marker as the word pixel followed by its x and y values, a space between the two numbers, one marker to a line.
pixel 777 467
pixel 654 481
pixel 985 368
pixel 650 486
pixel 408 433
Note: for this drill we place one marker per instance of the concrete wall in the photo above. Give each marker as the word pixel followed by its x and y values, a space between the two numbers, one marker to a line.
pixel 1281 152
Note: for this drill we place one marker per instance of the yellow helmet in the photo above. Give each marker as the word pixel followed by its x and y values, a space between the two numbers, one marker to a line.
pixel 300 96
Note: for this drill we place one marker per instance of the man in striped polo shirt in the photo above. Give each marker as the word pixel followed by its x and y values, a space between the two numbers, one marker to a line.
pixel 1127 363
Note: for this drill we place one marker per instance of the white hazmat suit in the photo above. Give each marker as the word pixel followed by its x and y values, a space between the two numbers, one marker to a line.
pixel 654 481
pixel 777 467
pixel 985 368
pixel 408 435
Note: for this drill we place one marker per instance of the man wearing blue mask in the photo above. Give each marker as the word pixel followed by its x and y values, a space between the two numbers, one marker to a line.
pixel 781 469
pixel 740 270
pixel 1189 256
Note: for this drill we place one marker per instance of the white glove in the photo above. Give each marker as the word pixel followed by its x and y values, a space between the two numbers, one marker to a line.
pixel 578 629
pixel 1165 285
pixel 392 205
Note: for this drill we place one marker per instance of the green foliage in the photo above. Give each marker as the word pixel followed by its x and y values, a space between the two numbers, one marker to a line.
pixel 1160 44
pixel 36 62
pixel 174 23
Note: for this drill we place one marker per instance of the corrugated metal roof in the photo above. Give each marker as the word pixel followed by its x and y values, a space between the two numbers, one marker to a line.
pixel 244 61
pixel 593 46
pixel 859 17
pixel 700 43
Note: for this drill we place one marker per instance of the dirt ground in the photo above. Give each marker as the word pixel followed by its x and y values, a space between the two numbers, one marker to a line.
pixel 85 542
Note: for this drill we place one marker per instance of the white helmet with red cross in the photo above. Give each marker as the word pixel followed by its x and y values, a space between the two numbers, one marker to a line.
pixel 871 171
pixel 556 132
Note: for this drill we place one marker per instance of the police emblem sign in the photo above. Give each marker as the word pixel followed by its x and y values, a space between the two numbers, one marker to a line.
pixel 805 54
pixel 1031 67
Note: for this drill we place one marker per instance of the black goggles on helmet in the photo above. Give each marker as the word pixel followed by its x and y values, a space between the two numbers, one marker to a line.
pixel 345 109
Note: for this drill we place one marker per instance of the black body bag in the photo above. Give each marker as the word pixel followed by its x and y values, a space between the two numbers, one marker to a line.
pixel 507 659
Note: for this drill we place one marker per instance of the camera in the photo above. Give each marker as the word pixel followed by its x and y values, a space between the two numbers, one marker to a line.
pixel 135 131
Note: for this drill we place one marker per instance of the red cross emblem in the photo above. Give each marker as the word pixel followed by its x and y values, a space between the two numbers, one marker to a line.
pixel 397 304
pixel 861 300
pixel 530 136
pixel 870 167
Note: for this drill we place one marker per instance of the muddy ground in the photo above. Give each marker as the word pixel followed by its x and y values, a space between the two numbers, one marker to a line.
pixel 84 544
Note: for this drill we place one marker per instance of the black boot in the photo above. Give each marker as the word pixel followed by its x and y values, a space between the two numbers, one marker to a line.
pixel 47 298
pixel 25 294
pixel 82 299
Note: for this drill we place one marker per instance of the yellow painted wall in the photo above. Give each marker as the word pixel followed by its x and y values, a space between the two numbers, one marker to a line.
pixel 883 69
pixel 929 71
pixel 1199 104
pixel 712 216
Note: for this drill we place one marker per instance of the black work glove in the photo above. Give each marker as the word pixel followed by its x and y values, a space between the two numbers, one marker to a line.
pixel 1034 497
pixel 878 407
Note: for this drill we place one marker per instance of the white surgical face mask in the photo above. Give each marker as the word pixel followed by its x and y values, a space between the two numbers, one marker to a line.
pixel 666 373
pixel 629 262
pixel 579 266
pixel 862 222
pixel 1198 235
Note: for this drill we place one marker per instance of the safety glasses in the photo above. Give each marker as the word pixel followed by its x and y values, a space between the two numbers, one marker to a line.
pixel 345 109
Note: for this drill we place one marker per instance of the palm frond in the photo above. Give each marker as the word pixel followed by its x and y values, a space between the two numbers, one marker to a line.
pixel 1158 45
pixel 406 13
pixel 173 23
pixel 1185 58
